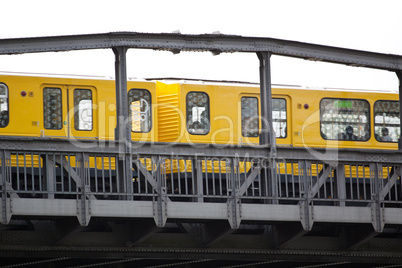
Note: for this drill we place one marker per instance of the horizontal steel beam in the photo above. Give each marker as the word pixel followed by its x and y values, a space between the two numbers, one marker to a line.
pixel 45 145
pixel 197 211
pixel 215 43
pixel 333 155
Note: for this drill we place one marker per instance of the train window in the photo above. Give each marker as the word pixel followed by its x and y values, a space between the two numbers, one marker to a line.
pixel 249 117
pixel 197 113
pixel 83 109
pixel 345 119
pixel 139 101
pixel 279 117
pixel 386 121
pixel 52 108
pixel 3 105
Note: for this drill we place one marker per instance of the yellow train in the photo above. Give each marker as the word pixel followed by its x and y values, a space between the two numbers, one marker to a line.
pixel 188 112
pixel 197 112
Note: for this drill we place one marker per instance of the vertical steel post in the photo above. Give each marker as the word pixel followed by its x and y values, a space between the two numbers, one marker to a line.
pixel 399 74
pixel 196 165
pixel 267 136
pixel 122 131
pixel 341 184
pixel 123 128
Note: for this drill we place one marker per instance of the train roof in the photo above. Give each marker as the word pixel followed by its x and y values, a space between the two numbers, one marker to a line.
pixel 174 80
pixel 69 76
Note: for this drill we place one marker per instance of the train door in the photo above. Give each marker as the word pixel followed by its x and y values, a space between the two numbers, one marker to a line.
pixel 249 119
pixel 282 119
pixel 81 113
pixel 68 112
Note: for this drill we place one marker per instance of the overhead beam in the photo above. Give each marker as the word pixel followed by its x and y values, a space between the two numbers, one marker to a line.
pixel 203 42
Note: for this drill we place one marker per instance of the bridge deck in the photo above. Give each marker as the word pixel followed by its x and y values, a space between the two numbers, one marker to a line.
pixel 206 196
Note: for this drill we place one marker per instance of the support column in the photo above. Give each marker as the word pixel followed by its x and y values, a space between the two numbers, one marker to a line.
pixel 377 211
pixel 123 126
pixel 122 131
pixel 267 136
pixel 399 74
pixel 5 178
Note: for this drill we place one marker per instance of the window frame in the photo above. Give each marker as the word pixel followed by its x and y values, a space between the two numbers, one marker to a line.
pixel 150 110
pixel 374 123
pixel 286 110
pixel 209 113
pixel 92 110
pixel 241 117
pixel 8 105
pixel 61 107
pixel 368 119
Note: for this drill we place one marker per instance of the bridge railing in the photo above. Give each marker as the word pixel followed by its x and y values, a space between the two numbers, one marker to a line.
pixel 233 175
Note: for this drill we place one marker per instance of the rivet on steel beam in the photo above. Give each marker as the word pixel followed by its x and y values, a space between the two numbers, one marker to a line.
pixel 216 52
pixel 175 51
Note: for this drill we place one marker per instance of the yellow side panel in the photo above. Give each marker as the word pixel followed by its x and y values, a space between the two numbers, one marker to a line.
pixel 169 115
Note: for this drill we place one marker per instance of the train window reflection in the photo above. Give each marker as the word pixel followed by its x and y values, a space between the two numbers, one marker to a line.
pixel 345 119
pixel 249 117
pixel 83 109
pixel 386 121
pixel 139 101
pixel 52 108
pixel 3 105
pixel 197 113
pixel 279 117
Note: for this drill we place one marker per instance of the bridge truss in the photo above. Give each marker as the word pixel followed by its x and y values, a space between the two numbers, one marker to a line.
pixel 123 200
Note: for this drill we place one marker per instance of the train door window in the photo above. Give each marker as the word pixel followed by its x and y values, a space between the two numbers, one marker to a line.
pixel 386 121
pixel 197 111
pixel 52 108
pixel 83 109
pixel 279 117
pixel 3 105
pixel 249 117
pixel 345 119
pixel 139 101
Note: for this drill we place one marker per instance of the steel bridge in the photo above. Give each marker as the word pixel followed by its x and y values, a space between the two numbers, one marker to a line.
pixel 121 203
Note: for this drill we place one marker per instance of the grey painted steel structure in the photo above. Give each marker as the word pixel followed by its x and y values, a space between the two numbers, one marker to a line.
pixel 356 192
pixel 216 43
pixel 288 192
pixel 207 42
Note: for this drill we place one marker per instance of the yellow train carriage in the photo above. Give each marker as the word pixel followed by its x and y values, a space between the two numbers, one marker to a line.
pixel 219 113
pixel 73 108
pixel 196 112
pixel 227 113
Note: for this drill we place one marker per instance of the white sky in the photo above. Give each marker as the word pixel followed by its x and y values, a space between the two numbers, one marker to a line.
pixel 358 24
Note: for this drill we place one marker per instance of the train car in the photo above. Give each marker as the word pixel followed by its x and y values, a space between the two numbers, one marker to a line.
pixel 175 111
pixel 229 113
pixel 73 108
pixel 197 112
